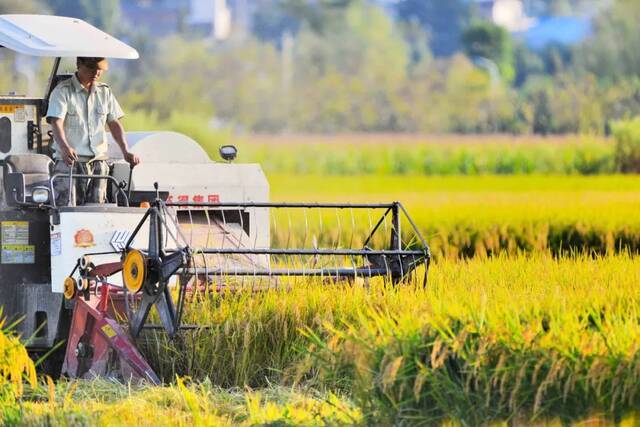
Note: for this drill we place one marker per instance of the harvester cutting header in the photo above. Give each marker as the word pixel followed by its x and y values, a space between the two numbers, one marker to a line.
pixel 84 277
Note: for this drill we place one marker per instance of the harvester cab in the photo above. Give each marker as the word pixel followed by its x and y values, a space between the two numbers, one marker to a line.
pixel 84 279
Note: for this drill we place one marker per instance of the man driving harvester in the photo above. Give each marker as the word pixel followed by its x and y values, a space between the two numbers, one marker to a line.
pixel 79 108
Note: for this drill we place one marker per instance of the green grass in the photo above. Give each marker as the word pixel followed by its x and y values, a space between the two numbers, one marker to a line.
pixel 415 155
pixel 387 154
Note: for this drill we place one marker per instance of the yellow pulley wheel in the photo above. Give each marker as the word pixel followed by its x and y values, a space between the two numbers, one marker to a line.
pixel 69 287
pixel 134 270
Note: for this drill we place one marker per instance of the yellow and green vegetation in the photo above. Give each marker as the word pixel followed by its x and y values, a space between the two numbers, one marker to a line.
pixel 519 330
pixel 501 338
pixel 365 154
pixel 466 216
pixel 409 155
pixel 506 338
pixel 530 313
pixel 105 403
pixel 16 369
pixel 428 155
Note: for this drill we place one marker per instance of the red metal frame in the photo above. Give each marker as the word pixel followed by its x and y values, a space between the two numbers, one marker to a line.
pixel 98 346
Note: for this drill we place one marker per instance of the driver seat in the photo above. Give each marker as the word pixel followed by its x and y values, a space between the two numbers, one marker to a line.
pixel 23 173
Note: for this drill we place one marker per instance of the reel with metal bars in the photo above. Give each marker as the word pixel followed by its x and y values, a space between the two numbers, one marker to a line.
pixel 193 248
pixel 146 275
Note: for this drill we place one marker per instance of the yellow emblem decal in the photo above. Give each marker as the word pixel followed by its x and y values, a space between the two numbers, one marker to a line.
pixel 83 239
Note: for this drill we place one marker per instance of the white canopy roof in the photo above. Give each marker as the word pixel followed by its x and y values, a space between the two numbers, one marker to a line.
pixel 57 36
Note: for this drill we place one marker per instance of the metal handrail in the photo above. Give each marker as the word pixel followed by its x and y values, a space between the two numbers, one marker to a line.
pixel 72 176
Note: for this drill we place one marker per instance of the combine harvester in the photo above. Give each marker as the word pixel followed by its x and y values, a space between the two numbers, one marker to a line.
pixel 83 280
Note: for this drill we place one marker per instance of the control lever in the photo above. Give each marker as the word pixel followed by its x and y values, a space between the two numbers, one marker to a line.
pixel 130 176
pixel 71 188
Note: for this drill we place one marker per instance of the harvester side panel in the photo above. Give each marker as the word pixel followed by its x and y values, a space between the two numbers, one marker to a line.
pixel 20 116
pixel 89 229
pixel 25 279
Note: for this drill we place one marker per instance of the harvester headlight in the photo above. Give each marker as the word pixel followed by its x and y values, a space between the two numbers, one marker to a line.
pixel 228 152
pixel 134 270
pixel 40 195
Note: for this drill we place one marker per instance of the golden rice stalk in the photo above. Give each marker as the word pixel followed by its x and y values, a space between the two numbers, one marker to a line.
pixel 15 364
pixel 391 373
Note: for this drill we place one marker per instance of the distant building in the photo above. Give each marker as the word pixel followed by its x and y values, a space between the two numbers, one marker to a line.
pixel 536 31
pixel 218 18
pixel 211 16
pixel 509 14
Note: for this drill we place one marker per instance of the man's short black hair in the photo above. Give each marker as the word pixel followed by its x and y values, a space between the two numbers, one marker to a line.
pixel 89 61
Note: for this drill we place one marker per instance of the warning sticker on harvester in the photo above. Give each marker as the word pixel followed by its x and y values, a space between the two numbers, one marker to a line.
pixel 14 233
pixel 19 115
pixel 8 109
pixel 108 331
pixel 18 254
pixel 56 244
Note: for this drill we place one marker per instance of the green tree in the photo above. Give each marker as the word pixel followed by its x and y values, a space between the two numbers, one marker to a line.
pixel 23 6
pixel 486 40
pixel 611 53
pixel 443 21
pixel 178 80
pixel 348 78
pixel 238 83
pixel 104 14
pixel 527 64
pixel 566 104
pixel 320 16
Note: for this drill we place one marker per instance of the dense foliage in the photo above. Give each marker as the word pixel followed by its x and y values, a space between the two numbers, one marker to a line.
pixel 354 68
pixel 627 135
pixel 407 155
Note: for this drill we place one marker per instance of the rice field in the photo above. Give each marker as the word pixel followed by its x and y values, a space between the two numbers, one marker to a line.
pixel 371 154
pixel 467 216
pixel 495 339
pixel 527 337
pixel 531 315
